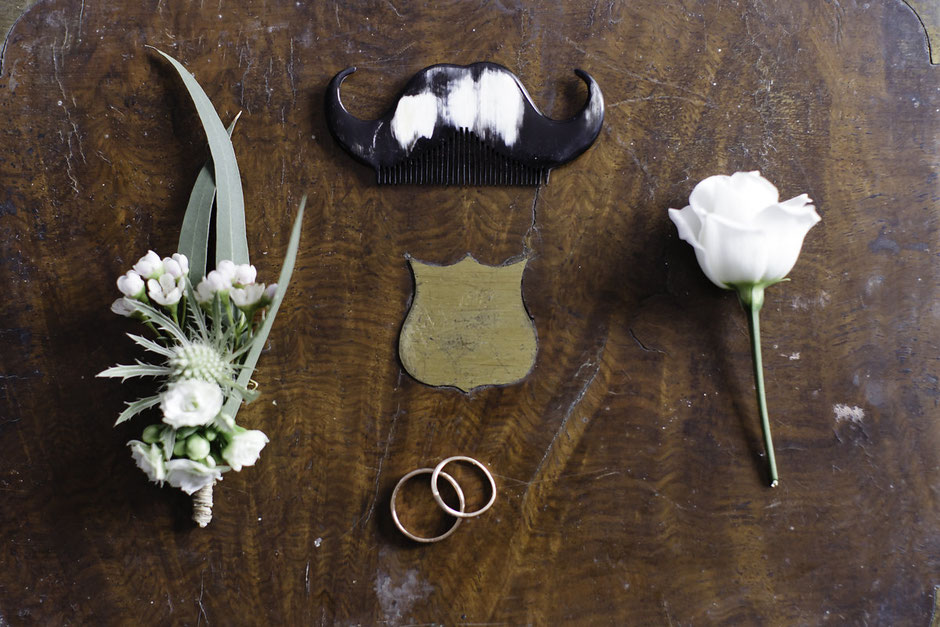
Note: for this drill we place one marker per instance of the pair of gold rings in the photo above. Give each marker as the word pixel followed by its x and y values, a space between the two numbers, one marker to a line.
pixel 459 514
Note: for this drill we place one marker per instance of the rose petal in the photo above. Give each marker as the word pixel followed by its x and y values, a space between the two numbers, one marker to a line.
pixel 788 227
pixel 738 197
pixel 734 254
pixel 688 224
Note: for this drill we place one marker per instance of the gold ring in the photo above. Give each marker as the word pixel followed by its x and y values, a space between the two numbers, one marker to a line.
pixel 451 480
pixel 447 508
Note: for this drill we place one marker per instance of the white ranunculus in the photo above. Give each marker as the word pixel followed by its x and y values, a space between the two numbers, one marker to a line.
pixel 149 266
pixel 244 448
pixel 123 307
pixel 741 232
pixel 190 476
pixel 190 403
pixel 248 296
pixel 245 274
pixel 131 284
pixel 166 290
pixel 149 458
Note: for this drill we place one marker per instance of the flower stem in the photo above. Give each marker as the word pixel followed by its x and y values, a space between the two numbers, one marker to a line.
pixel 752 298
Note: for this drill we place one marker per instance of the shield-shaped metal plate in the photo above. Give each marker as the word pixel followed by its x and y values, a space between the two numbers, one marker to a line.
pixel 468 326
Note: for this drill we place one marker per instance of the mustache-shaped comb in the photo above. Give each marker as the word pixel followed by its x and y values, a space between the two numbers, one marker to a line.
pixel 464 125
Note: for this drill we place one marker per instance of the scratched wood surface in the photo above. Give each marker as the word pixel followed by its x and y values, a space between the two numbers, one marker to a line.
pixel 631 482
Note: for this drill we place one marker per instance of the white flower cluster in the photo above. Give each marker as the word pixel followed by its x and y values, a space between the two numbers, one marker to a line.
pixel 235 281
pixel 163 280
pixel 195 439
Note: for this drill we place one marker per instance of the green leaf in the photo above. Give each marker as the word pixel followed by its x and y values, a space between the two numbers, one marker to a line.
pixel 231 239
pixel 137 370
pixel 136 407
pixel 194 235
pixel 257 342
pixel 168 439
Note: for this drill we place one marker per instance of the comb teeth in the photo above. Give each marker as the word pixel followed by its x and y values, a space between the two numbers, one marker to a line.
pixel 461 158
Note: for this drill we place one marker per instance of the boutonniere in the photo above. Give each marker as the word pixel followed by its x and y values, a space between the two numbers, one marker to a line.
pixel 205 331
pixel 746 240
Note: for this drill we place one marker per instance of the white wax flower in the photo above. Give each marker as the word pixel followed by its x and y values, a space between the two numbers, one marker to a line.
pixel 166 290
pixel 741 232
pixel 227 269
pixel 244 448
pixel 123 307
pixel 131 284
pixel 149 458
pixel 269 292
pixel 247 296
pixel 190 403
pixel 245 274
pixel 190 476
pixel 214 283
pixel 176 266
pixel 149 266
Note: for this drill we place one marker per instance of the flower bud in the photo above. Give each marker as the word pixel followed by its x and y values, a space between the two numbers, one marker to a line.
pixel 131 284
pixel 123 307
pixel 226 269
pixel 152 433
pixel 245 274
pixel 176 266
pixel 197 447
pixel 149 266
pixel 248 296
pixel 179 449
pixel 166 290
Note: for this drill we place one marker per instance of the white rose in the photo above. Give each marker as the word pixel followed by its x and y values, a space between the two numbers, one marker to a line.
pixel 166 290
pixel 149 458
pixel 190 476
pixel 123 307
pixel 149 266
pixel 131 284
pixel 247 296
pixel 245 274
pixel 190 403
pixel 244 448
pixel 741 232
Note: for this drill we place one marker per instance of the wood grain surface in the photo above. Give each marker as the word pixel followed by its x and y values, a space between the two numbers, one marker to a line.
pixel 629 462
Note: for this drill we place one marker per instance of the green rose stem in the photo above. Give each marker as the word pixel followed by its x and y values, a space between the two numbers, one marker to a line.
pixel 752 299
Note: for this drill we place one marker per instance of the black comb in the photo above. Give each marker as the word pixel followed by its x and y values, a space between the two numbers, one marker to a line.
pixel 464 125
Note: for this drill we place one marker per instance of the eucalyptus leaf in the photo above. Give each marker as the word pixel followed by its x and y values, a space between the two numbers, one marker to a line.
pixel 194 235
pixel 231 239
pixel 261 336
pixel 136 407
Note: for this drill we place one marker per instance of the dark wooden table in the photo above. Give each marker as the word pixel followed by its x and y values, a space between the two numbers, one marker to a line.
pixel 632 487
